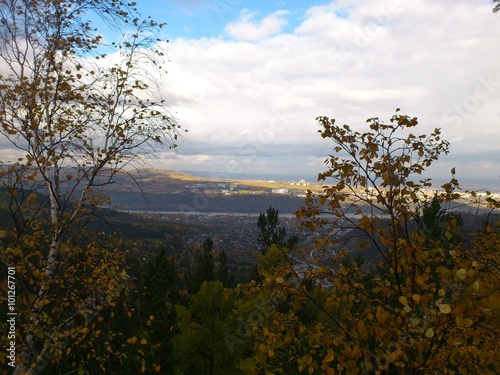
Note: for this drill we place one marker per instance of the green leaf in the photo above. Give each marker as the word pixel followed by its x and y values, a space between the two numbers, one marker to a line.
pixel 461 273
pixel 444 308
pixel 475 286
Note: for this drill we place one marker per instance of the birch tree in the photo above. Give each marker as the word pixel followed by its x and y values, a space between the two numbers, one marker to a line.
pixel 77 118
pixel 425 301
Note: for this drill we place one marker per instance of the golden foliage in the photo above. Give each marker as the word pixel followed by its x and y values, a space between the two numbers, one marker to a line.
pixel 429 304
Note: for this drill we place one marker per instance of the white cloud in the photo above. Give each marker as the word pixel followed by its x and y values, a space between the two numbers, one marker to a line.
pixel 260 93
pixel 248 29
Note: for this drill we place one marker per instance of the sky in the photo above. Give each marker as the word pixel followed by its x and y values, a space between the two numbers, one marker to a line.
pixel 248 79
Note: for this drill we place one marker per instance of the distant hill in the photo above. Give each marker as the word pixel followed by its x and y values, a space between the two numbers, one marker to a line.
pixel 151 189
pixel 161 180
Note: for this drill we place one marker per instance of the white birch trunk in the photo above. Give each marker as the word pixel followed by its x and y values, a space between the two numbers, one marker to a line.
pixel 29 354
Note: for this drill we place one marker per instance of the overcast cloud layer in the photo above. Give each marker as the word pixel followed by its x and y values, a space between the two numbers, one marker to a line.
pixel 250 95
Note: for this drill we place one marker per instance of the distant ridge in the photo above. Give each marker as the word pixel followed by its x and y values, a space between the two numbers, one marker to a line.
pixel 149 173
pixel 310 177
pixel 155 180
pixel 466 183
pixel 181 176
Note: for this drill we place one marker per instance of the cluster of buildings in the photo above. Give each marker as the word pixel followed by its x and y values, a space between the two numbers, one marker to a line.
pixel 229 188
pixel 301 182
pixel 219 187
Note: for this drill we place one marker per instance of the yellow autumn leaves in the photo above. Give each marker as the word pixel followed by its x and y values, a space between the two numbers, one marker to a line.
pixel 133 340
